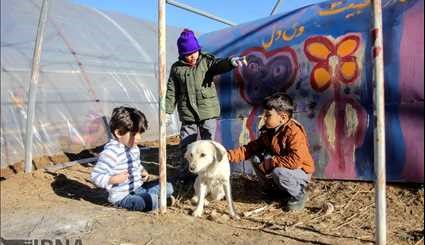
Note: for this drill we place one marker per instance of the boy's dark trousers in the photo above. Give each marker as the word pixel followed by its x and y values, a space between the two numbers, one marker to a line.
pixel 189 132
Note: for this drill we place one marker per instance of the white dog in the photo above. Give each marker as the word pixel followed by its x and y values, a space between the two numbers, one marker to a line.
pixel 208 159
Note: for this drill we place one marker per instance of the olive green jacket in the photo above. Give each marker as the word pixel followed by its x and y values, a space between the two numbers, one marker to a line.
pixel 191 88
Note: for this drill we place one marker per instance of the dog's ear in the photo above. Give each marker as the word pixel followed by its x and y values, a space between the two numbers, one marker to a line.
pixel 218 154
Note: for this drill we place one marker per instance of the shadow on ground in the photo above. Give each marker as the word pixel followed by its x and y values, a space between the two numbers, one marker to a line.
pixel 65 187
pixel 245 189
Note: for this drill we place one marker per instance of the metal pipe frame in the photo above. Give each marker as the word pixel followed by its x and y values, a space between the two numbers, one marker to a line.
pixel 275 7
pixel 35 73
pixel 200 12
pixel 379 130
pixel 162 116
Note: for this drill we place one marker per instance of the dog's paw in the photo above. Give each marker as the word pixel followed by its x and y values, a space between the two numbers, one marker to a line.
pixel 197 213
pixel 235 217
pixel 194 200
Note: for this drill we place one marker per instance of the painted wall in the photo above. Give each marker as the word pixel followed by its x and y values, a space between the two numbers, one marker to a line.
pixel 321 56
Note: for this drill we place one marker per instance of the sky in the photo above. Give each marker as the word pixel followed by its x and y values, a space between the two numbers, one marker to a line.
pixel 236 11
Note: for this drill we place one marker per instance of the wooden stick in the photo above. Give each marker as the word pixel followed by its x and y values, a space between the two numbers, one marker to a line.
pixel 260 227
pixel 270 227
pixel 268 223
pixel 149 242
pixel 270 231
pixel 366 207
pixel 273 215
pixel 255 211
pixel 349 201
pixel 333 235
pixel 295 238
pixel 350 219
pixel 294 225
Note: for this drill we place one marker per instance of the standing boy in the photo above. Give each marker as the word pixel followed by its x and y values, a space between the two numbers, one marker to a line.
pixel 190 87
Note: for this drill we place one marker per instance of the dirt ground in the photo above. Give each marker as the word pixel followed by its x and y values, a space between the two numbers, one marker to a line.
pixel 64 204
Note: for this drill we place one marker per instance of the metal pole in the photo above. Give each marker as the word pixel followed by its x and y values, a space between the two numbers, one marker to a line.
pixel 35 72
pixel 379 130
pixel 275 7
pixel 200 12
pixel 162 90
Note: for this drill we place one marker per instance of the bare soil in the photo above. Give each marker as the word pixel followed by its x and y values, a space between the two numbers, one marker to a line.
pixel 65 205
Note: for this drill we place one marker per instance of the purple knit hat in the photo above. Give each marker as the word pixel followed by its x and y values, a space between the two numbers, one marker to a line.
pixel 187 43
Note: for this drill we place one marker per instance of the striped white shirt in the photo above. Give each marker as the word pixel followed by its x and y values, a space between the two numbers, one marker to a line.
pixel 114 159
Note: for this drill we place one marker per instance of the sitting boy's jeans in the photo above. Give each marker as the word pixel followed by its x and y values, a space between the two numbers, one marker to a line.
pixel 145 198
pixel 291 181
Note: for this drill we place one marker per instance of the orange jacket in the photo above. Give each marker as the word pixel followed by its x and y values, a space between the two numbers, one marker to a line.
pixel 288 146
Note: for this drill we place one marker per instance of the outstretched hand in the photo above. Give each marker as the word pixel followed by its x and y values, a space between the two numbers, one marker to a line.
pixel 238 61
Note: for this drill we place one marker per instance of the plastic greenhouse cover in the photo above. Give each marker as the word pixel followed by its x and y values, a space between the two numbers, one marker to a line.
pixel 91 62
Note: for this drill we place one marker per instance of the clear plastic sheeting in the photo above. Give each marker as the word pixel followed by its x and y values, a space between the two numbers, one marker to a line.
pixel 91 62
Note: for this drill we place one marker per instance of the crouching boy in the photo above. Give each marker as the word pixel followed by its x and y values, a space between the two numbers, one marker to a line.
pixel 280 156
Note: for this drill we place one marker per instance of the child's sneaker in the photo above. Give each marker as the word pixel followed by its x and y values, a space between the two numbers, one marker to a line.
pixel 171 201
pixel 297 203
